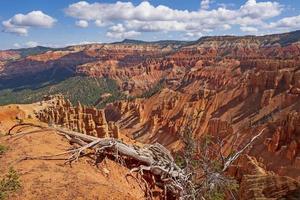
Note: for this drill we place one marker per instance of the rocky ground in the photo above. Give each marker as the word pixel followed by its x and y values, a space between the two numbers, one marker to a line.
pixel 54 179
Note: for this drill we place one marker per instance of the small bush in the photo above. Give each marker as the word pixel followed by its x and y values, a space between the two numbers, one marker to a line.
pixel 10 183
pixel 179 160
pixel 3 149
pixel 215 195
pixel 152 91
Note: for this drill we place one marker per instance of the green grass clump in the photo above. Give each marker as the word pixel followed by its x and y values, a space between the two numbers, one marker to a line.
pixel 10 183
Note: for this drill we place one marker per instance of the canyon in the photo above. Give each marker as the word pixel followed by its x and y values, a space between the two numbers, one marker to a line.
pixel 226 87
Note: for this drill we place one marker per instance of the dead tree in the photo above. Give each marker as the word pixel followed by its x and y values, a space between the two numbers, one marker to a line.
pixel 206 164
pixel 154 159
pixel 178 182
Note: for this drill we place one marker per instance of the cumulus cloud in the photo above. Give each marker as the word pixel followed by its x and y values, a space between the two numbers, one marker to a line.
pixel 125 19
pixel 286 23
pixel 10 28
pixel 155 26
pixel 261 10
pixel 205 4
pixel 99 23
pixel 19 24
pixel 119 32
pixel 33 19
pixel 82 24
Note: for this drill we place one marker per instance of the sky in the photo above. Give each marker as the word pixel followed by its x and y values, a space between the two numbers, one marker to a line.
pixel 58 23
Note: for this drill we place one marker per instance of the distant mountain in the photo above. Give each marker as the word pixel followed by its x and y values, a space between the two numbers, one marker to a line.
pixel 282 39
pixel 33 51
pixel 23 52
pixel 159 42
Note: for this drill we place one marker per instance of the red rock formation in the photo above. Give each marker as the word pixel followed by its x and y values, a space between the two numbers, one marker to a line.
pixel 258 183
pixel 237 84
pixel 85 120
pixel 231 85
pixel 8 55
pixel 286 136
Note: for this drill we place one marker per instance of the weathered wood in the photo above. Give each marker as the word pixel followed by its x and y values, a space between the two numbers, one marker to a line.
pixel 24 124
pixel 155 159
pixel 144 156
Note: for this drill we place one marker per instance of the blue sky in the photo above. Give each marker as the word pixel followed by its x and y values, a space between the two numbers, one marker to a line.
pixel 27 23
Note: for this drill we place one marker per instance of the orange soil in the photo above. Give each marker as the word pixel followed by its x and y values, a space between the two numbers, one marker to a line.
pixel 52 179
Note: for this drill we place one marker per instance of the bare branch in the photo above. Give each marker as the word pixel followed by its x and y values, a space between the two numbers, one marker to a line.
pixel 231 159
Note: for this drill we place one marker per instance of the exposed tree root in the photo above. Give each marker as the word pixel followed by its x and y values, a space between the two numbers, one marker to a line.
pixel 24 124
pixel 154 160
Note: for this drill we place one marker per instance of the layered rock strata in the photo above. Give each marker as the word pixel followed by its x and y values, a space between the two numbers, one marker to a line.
pixel 258 183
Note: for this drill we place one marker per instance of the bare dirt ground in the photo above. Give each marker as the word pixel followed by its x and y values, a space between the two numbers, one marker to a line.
pixel 53 179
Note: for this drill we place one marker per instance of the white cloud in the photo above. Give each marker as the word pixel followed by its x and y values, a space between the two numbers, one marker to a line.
pixel 82 23
pixel 205 4
pixel 133 20
pixel 155 26
pixel 33 19
pixel 99 23
pixel 122 35
pixel 28 44
pixel 249 29
pixel 118 28
pixel 17 45
pixel 31 44
pixel 286 23
pixel 73 44
pixel 193 35
pixel 10 28
pixel 20 23
pixel 261 10
pixel 119 32
pixel 226 27
pixel 122 11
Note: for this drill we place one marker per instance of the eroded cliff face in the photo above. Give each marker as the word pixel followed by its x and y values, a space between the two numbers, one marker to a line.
pixel 229 87
pixel 127 63
pixel 86 120
pixel 258 183
pixel 32 65
pixel 8 55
